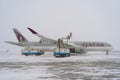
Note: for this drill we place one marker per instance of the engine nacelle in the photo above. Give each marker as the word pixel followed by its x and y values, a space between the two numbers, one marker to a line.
pixel 77 50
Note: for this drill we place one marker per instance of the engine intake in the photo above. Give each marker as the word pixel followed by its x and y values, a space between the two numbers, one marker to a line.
pixel 77 50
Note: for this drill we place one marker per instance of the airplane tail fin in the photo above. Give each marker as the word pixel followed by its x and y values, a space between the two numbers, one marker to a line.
pixel 19 36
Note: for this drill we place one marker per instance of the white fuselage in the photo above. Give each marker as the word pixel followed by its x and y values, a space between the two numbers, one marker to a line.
pixel 87 46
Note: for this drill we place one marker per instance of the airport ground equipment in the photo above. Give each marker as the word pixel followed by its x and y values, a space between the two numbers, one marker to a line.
pixel 27 52
pixel 61 50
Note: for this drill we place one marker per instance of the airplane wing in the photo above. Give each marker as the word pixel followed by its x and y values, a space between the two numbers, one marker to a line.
pixel 67 44
pixel 71 45
pixel 43 38
pixel 51 40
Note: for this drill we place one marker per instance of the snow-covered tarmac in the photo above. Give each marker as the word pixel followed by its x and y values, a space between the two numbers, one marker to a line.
pixel 88 66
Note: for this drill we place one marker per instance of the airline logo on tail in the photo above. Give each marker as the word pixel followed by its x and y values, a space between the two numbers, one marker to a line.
pixel 19 36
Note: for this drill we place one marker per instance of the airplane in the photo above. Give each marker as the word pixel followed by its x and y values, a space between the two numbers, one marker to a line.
pixel 48 43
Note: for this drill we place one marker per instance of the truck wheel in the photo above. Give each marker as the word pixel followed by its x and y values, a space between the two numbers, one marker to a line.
pixel 67 55
pixel 26 54
pixel 37 54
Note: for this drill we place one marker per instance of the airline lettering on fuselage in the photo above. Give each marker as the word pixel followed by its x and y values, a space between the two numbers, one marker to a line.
pixel 93 44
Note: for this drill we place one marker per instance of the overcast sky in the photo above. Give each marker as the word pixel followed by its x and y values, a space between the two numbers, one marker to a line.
pixel 88 20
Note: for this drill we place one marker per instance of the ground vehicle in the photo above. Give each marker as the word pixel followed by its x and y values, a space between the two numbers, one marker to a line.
pixel 61 52
pixel 27 51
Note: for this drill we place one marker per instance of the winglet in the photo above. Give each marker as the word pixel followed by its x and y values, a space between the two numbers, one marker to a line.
pixel 34 32
pixel 41 36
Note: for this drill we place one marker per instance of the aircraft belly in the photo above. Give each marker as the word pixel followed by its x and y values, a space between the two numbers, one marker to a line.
pixel 36 44
pixel 98 48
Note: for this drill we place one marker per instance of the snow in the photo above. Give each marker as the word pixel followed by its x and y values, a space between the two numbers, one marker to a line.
pixel 88 66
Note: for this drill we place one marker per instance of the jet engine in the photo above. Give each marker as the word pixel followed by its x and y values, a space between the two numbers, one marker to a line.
pixel 77 50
